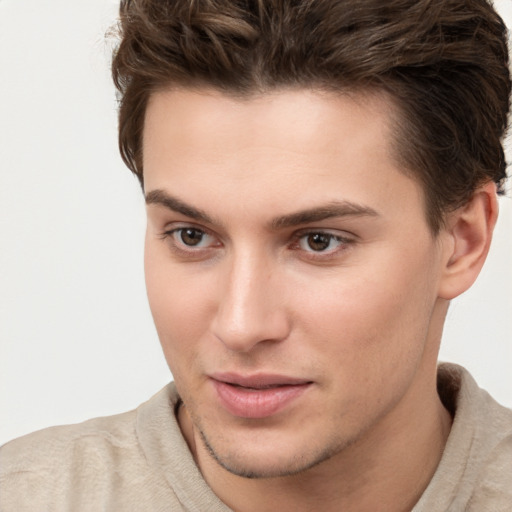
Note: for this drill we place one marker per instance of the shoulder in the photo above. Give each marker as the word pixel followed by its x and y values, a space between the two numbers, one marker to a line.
pixel 493 489
pixel 493 454
pixel 56 445
pixel 37 467
pixel 61 464
pixel 475 472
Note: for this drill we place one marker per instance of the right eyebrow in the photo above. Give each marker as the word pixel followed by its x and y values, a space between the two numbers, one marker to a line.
pixel 162 198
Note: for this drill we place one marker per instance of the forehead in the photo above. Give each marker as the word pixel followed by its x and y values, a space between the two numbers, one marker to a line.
pixel 301 120
pixel 285 146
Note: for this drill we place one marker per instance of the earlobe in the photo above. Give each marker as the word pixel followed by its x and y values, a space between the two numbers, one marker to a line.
pixel 469 230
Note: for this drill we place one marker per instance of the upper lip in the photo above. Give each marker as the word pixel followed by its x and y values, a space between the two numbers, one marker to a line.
pixel 259 380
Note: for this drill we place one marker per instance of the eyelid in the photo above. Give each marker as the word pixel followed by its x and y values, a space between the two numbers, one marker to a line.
pixel 335 233
pixel 172 227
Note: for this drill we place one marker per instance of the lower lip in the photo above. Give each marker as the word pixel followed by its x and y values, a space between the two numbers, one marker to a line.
pixel 257 403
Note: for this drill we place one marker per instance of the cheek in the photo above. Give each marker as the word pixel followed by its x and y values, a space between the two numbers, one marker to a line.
pixel 371 322
pixel 370 342
pixel 179 303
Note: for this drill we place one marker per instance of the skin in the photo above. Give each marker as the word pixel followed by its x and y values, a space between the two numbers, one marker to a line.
pixel 359 318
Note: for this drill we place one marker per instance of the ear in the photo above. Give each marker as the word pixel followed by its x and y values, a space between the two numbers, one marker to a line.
pixel 468 233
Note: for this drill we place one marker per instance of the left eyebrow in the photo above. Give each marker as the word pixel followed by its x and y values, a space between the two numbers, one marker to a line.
pixel 328 211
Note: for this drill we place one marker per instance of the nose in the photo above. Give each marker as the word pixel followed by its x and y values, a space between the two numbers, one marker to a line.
pixel 251 306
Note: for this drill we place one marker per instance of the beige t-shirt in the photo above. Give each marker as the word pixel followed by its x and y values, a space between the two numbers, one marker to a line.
pixel 139 461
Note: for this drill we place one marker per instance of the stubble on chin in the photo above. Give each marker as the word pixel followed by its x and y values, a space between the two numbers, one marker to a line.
pixel 294 465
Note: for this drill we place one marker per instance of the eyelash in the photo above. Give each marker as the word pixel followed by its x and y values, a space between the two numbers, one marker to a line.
pixel 187 251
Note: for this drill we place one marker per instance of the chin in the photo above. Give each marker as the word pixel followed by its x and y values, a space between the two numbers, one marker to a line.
pixel 264 460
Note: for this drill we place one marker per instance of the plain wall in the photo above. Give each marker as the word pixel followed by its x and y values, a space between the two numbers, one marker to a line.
pixel 76 335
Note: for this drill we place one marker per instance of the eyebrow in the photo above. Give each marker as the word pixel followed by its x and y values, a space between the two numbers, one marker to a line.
pixel 159 197
pixel 316 214
pixel 328 211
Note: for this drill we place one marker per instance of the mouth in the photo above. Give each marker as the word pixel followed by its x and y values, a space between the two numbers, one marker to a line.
pixel 257 396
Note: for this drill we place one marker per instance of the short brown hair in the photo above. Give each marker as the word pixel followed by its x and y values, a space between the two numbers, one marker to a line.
pixel 444 62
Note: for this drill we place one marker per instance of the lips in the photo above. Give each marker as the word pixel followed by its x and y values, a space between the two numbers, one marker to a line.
pixel 257 396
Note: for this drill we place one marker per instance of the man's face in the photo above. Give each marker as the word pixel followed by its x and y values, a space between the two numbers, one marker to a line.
pixel 291 273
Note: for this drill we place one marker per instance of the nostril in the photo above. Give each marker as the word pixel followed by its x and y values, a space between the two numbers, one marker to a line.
pixel 244 336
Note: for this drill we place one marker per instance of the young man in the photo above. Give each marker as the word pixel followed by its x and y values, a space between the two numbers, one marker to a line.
pixel 320 180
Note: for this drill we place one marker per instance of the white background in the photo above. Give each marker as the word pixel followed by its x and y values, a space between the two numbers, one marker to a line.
pixel 76 335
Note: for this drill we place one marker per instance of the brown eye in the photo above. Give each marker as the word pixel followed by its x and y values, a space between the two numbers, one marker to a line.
pixel 191 236
pixel 319 241
pixel 322 243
